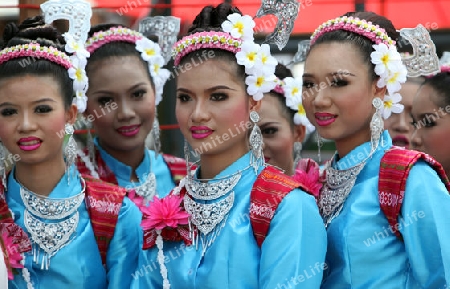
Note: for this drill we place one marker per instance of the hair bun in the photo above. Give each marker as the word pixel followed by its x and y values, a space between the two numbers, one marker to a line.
pixel 9 32
pixel 211 18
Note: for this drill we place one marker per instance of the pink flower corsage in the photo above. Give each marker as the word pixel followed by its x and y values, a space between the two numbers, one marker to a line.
pixel 13 242
pixel 166 215
pixel 307 172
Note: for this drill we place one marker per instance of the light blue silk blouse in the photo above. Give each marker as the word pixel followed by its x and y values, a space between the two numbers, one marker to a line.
pixel 292 255
pixel 364 253
pixel 78 265
pixel 150 163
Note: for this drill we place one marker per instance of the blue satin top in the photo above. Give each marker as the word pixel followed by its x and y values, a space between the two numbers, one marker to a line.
pixel 292 254
pixel 364 253
pixel 78 265
pixel 150 163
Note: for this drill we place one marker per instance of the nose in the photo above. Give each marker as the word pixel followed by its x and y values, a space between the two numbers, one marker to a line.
pixel 200 114
pixel 416 140
pixel 401 125
pixel 27 123
pixel 125 111
pixel 320 97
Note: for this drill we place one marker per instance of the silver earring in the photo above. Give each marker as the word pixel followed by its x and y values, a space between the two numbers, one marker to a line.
pixel 156 137
pixel 90 143
pixel 376 124
pixel 319 146
pixel 297 152
pixel 70 150
pixel 186 157
pixel 2 164
pixel 256 143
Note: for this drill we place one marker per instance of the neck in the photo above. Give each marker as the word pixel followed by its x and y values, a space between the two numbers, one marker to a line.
pixel 40 178
pixel 212 165
pixel 345 146
pixel 132 158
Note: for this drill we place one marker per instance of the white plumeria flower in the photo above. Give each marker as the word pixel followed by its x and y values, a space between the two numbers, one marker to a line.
pixel 259 83
pixel 391 105
pixel 248 55
pixel 155 65
pixel 301 119
pixel 266 60
pixel 73 46
pixel 293 92
pixel 148 49
pixel 385 58
pixel 394 79
pixel 78 73
pixel 239 26
pixel 80 101
pixel 159 81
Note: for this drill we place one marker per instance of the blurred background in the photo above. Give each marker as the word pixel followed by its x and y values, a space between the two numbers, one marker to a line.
pixel 433 14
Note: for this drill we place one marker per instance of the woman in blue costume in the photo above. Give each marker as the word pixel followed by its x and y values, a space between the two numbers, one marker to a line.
pixel 355 59
pixel 121 108
pixel 59 209
pixel 216 111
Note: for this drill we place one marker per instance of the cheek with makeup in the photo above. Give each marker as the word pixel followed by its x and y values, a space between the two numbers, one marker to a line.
pixel 32 121
pixel 121 105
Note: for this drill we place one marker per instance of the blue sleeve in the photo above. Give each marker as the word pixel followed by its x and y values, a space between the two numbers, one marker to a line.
pixel 123 251
pixel 425 226
pixel 293 253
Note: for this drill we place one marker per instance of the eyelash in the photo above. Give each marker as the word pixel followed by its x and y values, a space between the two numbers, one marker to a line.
pixel 219 97
pixel 183 97
pixel 269 131
pixel 39 109
pixel 8 112
pixel 139 93
pixel 104 100
pixel 335 83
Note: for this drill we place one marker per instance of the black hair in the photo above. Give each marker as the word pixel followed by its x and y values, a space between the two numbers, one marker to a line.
pixel 34 30
pixel 211 19
pixel 281 72
pixel 441 84
pixel 363 43
pixel 113 49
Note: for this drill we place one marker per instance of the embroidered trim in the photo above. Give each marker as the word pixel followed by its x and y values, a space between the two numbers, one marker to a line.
pixel 262 211
pixel 103 206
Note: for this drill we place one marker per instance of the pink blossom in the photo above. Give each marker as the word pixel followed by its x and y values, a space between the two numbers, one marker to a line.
pixel 307 172
pixel 165 212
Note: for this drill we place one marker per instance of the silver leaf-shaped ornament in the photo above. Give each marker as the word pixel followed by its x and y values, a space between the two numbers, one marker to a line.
pixel 445 58
pixel 166 28
pixel 302 51
pixel 77 12
pixel 286 11
pixel 424 60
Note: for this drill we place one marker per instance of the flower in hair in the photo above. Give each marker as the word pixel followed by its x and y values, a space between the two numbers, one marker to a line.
pixel 78 73
pixel 385 58
pixel 260 83
pixel 148 49
pixel 391 105
pixel 394 79
pixel 239 26
pixel 265 59
pixel 160 76
pixel 248 55
pixel 73 46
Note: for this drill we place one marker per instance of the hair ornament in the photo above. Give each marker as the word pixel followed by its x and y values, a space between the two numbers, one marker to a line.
pixel 291 89
pixel 149 50
pixel 237 37
pixel 78 13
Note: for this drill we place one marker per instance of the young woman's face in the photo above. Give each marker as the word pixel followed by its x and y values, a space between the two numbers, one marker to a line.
pixel 399 124
pixel 121 99
pixel 279 136
pixel 213 109
pixel 32 118
pixel 338 94
pixel 432 125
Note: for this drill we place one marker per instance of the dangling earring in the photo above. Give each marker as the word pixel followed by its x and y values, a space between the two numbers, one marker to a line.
pixel 186 157
pixel 156 136
pixel 70 150
pixel 90 143
pixel 297 152
pixel 376 124
pixel 2 165
pixel 256 143
pixel 319 146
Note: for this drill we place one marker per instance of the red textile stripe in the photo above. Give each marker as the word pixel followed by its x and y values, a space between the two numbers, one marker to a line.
pixel 268 191
pixel 103 201
pixel 394 170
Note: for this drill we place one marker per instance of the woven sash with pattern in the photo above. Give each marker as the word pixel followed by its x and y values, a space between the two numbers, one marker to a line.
pixel 103 201
pixel 394 170
pixel 268 191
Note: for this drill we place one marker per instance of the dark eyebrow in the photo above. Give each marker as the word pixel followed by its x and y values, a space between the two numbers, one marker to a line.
pixel 112 92
pixel 34 102
pixel 337 73
pixel 208 89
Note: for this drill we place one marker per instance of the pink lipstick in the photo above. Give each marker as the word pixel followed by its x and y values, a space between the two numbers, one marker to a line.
pixel 200 132
pixel 129 130
pixel 324 119
pixel 400 141
pixel 29 143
